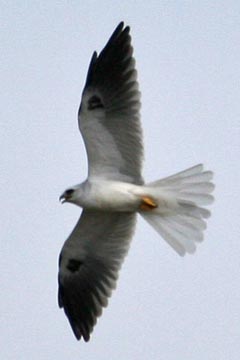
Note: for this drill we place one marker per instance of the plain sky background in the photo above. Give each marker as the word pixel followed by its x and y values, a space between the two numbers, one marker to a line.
pixel 188 61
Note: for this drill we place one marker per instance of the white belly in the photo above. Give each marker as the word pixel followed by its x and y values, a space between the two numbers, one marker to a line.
pixel 113 196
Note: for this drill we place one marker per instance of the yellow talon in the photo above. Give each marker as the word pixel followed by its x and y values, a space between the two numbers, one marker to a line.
pixel 147 203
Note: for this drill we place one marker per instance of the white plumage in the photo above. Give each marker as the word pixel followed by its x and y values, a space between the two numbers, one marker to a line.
pixel 114 191
pixel 181 219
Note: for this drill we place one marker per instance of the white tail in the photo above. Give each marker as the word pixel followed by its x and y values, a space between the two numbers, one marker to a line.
pixel 179 217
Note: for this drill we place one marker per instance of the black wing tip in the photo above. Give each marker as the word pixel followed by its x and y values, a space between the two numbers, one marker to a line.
pixel 79 335
pixel 121 25
pixel 79 330
pixel 119 31
pixel 91 66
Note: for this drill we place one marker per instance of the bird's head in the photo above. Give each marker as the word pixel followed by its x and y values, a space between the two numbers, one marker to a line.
pixel 67 196
pixel 74 195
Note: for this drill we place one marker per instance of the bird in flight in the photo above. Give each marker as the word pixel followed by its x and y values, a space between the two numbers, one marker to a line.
pixel 114 191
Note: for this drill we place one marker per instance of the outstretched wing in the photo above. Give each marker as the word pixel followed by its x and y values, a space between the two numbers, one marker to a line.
pixel 88 266
pixel 109 112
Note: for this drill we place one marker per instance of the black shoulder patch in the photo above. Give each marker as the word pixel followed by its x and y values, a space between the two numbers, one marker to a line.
pixel 74 265
pixel 95 103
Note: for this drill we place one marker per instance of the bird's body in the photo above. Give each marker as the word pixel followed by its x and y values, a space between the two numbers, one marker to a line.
pixel 114 191
pixel 107 195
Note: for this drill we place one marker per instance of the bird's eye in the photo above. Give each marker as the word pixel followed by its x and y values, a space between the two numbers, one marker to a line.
pixel 69 192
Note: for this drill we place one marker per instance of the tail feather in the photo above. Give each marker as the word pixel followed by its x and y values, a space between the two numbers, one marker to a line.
pixel 204 187
pixel 165 232
pixel 199 198
pixel 192 175
pixel 180 219
pixel 191 222
pixel 187 231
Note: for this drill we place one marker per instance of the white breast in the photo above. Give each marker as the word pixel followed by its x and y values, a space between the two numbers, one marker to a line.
pixel 112 195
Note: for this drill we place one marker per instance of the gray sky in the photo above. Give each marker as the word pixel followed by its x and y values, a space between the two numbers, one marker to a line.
pixel 188 57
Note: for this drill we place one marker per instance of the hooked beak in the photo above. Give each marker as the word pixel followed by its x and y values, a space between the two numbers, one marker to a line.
pixel 66 196
pixel 62 199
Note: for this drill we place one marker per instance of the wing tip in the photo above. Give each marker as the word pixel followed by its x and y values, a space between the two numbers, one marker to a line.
pixel 80 333
pixel 120 28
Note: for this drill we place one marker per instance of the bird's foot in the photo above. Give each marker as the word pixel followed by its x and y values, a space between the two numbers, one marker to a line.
pixel 147 204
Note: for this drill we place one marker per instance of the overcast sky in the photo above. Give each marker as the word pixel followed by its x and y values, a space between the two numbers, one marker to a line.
pixel 188 56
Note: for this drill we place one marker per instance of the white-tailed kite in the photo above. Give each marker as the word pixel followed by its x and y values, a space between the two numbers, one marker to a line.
pixel 114 192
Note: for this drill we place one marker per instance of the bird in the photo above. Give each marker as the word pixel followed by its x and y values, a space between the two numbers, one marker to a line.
pixel 114 192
